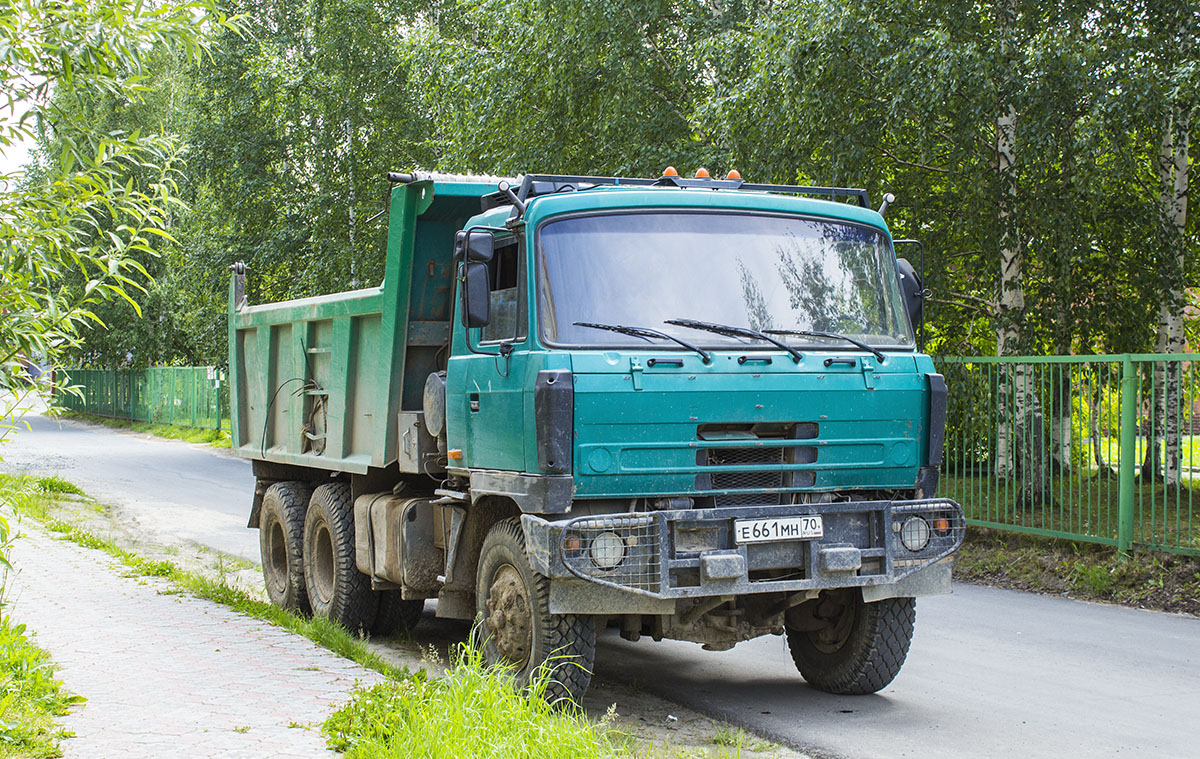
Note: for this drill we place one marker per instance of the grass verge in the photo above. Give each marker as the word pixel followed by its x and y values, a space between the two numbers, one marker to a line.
pixel 470 711
pixel 1165 582
pixel 30 697
pixel 208 436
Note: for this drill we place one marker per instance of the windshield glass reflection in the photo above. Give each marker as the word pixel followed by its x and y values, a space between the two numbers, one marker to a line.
pixel 762 272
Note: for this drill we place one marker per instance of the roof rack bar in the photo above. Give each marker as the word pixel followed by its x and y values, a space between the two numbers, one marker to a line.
pixel 562 182
pixel 853 192
pixel 533 185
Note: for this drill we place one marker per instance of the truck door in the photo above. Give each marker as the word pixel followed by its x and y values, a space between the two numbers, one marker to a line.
pixel 493 368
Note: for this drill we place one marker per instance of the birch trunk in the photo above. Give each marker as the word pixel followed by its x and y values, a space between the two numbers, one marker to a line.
pixel 1174 159
pixel 1012 294
pixel 1060 419
pixel 1020 438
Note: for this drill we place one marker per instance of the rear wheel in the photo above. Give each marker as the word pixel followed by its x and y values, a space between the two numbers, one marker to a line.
pixel 846 646
pixel 336 589
pixel 515 626
pixel 396 615
pixel 281 542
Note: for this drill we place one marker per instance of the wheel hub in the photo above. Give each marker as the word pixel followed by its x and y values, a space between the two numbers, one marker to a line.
pixel 322 563
pixel 509 619
pixel 277 557
pixel 839 616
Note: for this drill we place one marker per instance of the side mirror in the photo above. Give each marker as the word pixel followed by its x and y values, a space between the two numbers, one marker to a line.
pixel 911 288
pixel 473 291
pixel 480 246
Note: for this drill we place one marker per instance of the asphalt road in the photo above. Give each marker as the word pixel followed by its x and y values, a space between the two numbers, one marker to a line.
pixel 991 673
pixel 176 490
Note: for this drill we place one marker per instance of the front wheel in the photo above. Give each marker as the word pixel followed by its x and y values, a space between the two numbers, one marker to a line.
pixel 846 646
pixel 515 627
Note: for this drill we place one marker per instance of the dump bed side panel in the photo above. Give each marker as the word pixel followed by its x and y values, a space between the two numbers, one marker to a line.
pixel 319 381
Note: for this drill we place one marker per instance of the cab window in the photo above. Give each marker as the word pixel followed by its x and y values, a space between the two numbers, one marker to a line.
pixel 506 296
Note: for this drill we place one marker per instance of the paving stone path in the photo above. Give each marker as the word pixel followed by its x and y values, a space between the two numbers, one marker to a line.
pixel 167 674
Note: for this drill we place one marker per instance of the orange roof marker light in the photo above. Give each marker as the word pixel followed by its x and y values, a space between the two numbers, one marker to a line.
pixel 733 174
pixel 702 173
pixel 670 172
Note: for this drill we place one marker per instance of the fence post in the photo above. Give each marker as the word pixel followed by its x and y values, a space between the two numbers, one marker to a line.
pixel 1128 459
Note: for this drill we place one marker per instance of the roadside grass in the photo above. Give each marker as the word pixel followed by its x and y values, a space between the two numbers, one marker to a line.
pixel 30 696
pixel 1160 581
pixel 471 711
pixel 208 436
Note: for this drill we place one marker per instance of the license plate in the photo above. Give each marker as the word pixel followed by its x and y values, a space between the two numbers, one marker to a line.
pixel 780 528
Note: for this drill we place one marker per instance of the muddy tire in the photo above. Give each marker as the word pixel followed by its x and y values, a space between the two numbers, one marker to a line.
pixel 860 649
pixel 336 589
pixel 281 544
pixel 515 627
pixel 396 616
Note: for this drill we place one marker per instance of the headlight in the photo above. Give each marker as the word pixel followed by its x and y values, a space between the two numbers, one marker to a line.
pixel 608 550
pixel 914 534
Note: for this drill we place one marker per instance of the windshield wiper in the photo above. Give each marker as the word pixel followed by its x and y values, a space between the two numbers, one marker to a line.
pixel 833 335
pixel 646 334
pixel 725 329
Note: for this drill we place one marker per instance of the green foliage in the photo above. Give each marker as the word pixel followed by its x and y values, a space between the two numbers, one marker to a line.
pixel 472 711
pixel 57 485
pixel 903 95
pixel 76 233
pixel 30 696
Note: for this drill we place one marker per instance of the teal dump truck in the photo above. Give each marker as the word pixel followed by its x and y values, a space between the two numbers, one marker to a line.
pixel 686 408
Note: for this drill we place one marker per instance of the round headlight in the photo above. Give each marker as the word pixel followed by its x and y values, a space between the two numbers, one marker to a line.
pixel 608 550
pixel 915 533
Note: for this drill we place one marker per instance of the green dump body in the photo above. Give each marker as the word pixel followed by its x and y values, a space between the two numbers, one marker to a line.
pixel 319 382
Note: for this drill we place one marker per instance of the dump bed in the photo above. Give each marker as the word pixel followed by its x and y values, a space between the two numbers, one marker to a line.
pixel 321 381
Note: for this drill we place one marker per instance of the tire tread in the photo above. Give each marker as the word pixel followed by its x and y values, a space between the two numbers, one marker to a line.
pixel 354 604
pixel 878 648
pixel 292 498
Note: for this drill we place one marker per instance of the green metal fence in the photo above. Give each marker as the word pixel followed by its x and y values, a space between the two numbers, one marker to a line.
pixel 1090 448
pixel 189 396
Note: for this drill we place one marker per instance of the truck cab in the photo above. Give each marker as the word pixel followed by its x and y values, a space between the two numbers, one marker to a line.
pixel 684 408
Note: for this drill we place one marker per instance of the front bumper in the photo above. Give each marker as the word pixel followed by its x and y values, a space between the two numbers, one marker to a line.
pixel 692 553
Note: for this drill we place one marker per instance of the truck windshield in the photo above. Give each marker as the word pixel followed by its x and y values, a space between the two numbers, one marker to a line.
pixel 757 271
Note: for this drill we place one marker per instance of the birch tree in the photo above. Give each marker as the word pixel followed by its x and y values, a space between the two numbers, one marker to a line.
pixel 1179 109
pixel 1157 78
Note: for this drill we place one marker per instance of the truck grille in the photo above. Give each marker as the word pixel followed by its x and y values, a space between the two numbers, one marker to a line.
pixel 749 480
pixel 752 458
